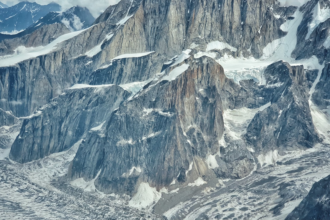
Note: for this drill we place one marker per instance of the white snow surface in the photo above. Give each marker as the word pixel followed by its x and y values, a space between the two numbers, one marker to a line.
pixel 182 57
pixel 133 55
pixel 198 182
pixel 97 49
pixel 84 86
pixel 98 128
pixel 321 120
pixel 326 43
pixel 212 162
pixel 176 72
pixel 134 87
pixel 217 45
pixel 298 3
pixel 22 53
pixel 76 23
pixel 145 197
pixel 236 121
pixel 281 49
pixel 87 186
pixel 269 159
pixel 124 20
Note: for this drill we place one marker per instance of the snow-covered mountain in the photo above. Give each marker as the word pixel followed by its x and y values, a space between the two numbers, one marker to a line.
pixel 75 19
pixel 18 17
pixel 47 29
pixel 2 5
pixel 170 110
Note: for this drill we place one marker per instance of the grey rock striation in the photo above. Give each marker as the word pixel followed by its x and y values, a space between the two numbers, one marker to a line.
pixel 321 96
pixel 287 124
pixel 65 120
pixel 134 27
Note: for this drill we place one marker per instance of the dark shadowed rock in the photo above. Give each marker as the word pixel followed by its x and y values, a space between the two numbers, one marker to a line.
pixel 316 205
pixel 60 124
pixel 287 124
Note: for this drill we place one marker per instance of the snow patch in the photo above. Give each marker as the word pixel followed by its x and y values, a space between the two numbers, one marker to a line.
pixel 84 86
pixel 87 186
pixel 133 55
pixel 98 128
pixel 22 53
pixel 182 57
pixel 145 197
pixel 212 162
pixel 268 159
pixel 297 3
pixel 198 182
pixel 98 48
pixel 132 171
pixel 237 120
pixel 176 72
pixel 124 20
pixel 124 142
pixel 217 45
pixel 321 120
pixel 134 87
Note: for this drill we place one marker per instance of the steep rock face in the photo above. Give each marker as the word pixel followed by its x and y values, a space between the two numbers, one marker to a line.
pixel 313 34
pixel 126 70
pixel 287 124
pixel 24 14
pixel 140 26
pixel 234 22
pixel 316 205
pixel 172 125
pixel 51 73
pixel 58 125
pixel 321 96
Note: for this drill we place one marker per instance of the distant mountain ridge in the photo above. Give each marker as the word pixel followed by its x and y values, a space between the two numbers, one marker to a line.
pixel 46 29
pixel 21 16
pixel 3 5
pixel 75 19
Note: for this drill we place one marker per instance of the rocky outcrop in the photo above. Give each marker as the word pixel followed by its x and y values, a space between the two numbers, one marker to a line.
pixel 287 124
pixel 316 205
pixel 321 96
pixel 313 32
pixel 60 124
pixel 126 70
pixel 143 26
pixel 172 125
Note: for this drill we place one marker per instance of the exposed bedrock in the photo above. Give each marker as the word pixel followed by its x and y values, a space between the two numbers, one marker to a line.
pixel 316 204
pixel 65 120
pixel 313 37
pixel 139 26
pixel 321 96
pixel 287 124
